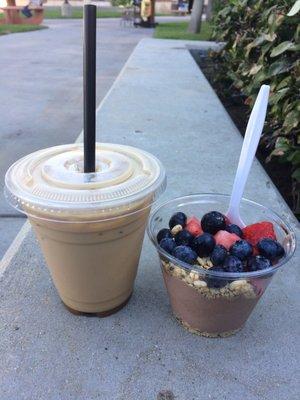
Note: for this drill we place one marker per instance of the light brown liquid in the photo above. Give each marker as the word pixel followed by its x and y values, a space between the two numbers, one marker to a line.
pixel 93 264
pixel 90 225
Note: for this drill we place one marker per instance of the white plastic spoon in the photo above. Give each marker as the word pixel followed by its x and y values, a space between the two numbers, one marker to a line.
pixel 253 132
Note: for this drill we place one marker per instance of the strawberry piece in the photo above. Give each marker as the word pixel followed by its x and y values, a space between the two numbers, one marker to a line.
pixel 226 239
pixel 193 225
pixel 255 232
pixel 227 220
pixel 193 219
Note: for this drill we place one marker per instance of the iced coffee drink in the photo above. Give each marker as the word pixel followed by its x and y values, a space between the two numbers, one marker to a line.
pixel 90 225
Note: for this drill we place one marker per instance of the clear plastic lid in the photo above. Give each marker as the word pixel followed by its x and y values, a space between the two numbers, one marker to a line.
pixel 51 181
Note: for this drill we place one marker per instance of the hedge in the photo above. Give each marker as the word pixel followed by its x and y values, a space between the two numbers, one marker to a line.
pixel 262 46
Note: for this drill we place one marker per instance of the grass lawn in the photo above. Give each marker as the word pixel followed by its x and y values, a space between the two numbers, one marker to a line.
pixel 55 12
pixel 107 12
pixel 5 29
pixel 178 30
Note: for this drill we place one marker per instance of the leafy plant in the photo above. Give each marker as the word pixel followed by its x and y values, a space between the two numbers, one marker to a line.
pixel 124 3
pixel 262 46
pixel 217 5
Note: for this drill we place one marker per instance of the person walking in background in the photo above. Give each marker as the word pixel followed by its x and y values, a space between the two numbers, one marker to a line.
pixel 191 3
pixel 35 3
pixel 146 9
pixel 182 6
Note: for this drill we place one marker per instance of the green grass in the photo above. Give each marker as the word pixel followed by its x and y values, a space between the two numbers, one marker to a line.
pixel 77 12
pixel 6 29
pixel 107 12
pixel 178 30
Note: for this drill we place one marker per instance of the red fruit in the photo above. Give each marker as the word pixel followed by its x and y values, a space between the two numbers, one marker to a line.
pixel 193 219
pixel 226 239
pixel 255 232
pixel 227 220
pixel 193 225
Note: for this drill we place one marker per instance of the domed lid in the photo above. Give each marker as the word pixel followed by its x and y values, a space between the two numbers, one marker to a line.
pixel 52 180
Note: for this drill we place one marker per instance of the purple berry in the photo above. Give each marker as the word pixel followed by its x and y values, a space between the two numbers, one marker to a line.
pixel 177 219
pixel 241 249
pixel 270 249
pixel 213 222
pixel 233 264
pixel 232 228
pixel 164 233
pixel 218 255
pixel 204 244
pixel 185 253
pixel 168 245
pixel 258 263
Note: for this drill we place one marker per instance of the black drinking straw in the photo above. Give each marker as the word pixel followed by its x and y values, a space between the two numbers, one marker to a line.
pixel 89 87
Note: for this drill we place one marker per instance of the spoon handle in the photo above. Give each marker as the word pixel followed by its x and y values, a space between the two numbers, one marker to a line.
pixel 253 132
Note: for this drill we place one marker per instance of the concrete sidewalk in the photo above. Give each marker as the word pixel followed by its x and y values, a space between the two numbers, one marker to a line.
pixel 163 104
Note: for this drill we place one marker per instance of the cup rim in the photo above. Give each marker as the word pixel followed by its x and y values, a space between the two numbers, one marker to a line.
pixel 21 194
pixel 72 217
pixel 220 274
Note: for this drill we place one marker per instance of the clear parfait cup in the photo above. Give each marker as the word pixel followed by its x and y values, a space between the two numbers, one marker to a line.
pixel 215 303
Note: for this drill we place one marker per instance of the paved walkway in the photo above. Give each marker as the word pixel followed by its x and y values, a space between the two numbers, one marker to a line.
pixel 41 90
pixel 49 354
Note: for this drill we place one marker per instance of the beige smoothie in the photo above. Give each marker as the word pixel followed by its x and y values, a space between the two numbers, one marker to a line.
pixel 90 226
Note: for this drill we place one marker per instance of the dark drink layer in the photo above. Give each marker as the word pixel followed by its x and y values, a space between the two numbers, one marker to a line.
pixel 209 311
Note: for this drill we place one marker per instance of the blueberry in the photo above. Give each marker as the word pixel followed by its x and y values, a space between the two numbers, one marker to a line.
pixel 168 245
pixel 241 249
pixel 164 233
pixel 232 228
pixel 213 222
pixel 218 255
pixel 214 282
pixel 203 244
pixel 185 253
pixel 178 219
pixel 258 263
pixel 233 264
pixel 184 238
pixel 270 249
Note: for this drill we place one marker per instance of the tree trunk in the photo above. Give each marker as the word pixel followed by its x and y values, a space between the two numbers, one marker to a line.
pixel 152 17
pixel 208 11
pixel 195 22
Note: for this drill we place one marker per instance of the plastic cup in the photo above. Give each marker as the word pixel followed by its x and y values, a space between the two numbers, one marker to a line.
pixel 90 225
pixel 213 303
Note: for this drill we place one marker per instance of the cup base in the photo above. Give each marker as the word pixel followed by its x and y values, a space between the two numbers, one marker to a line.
pixel 206 334
pixel 101 314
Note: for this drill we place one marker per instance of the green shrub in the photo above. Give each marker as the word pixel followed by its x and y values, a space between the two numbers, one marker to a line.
pixel 217 5
pixel 263 46
pixel 124 3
